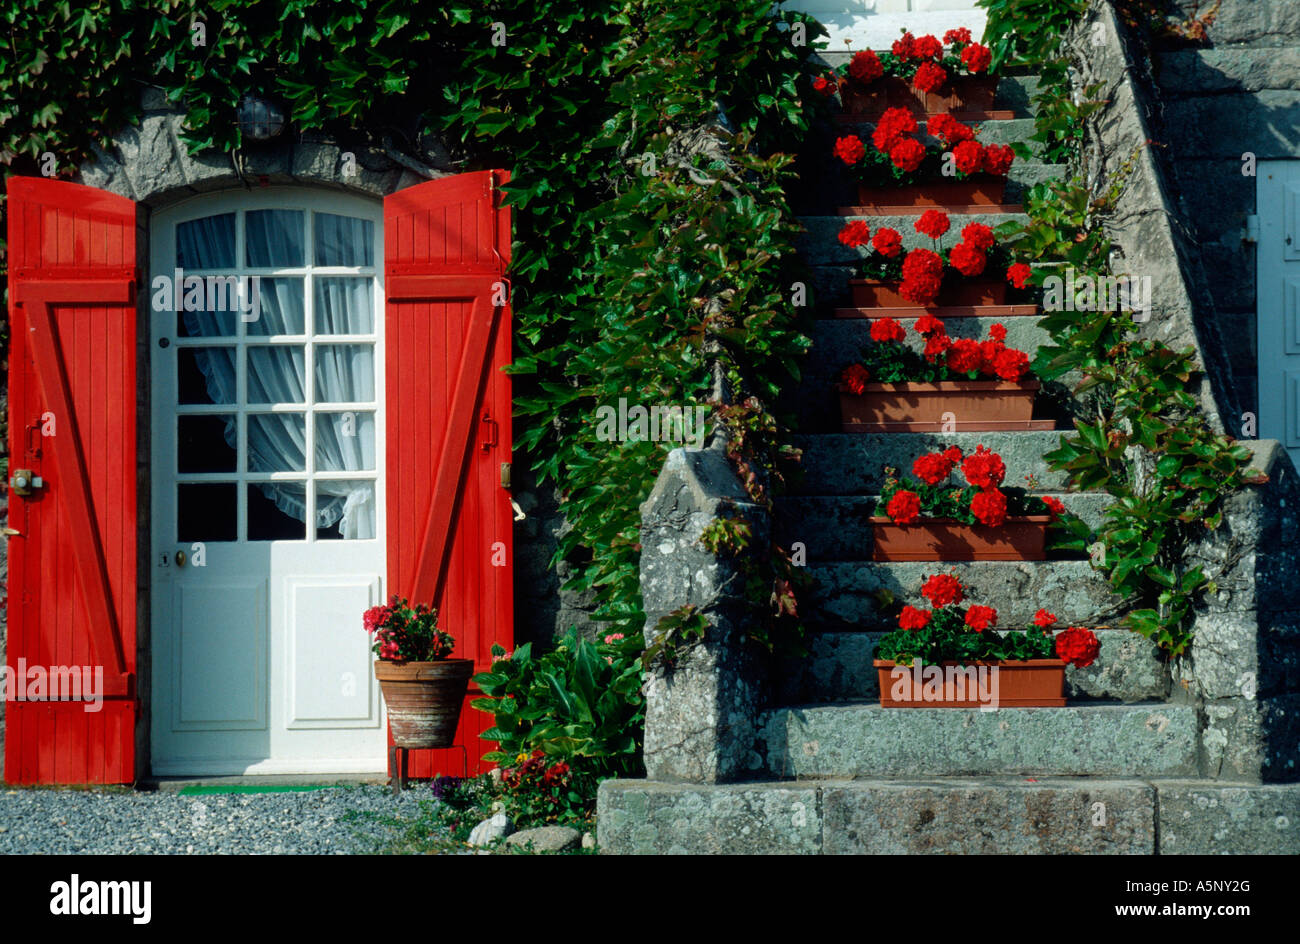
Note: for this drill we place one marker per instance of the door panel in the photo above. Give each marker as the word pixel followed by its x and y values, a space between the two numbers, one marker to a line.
pixel 1278 302
pixel 212 619
pixel 323 686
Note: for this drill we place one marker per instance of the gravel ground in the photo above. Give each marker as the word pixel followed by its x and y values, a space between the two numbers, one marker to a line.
pixel 312 822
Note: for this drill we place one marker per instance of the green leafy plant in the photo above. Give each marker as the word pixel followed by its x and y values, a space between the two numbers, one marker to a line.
pixel 405 633
pixel 1028 32
pixel 579 704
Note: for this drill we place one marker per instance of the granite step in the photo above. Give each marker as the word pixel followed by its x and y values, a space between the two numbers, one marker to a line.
pixel 838 668
pixel 1154 739
pixel 836 527
pixel 1014 92
pixel 845 596
pixel 853 463
pixel 936 816
pixel 819 244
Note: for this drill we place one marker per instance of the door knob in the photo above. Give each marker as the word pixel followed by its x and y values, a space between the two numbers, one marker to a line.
pixel 180 558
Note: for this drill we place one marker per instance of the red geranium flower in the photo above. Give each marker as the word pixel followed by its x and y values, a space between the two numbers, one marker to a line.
pixel 929 77
pixel 866 67
pixel 948 129
pixel 902 47
pixel 927 325
pixel 1078 646
pixel 887 329
pixel 968 156
pixel 967 260
pixel 824 85
pixel 854 378
pixel 1019 274
pixel 976 57
pixel 997 159
pixel 892 126
pixel 907 154
pixel 959 35
pixel 927 47
pixel 922 276
pixel 1054 505
pixel 904 507
pixel 936 345
pixel 855 233
pixel 912 618
pixel 932 468
pixel 964 356
pixel 989 507
pixel 953 453
pixel 850 149
pixel 998 332
pixel 1044 619
pixel 943 590
pixel 978 235
pixel 1011 364
pixel 888 242
pixel 932 223
pixel 984 468
pixel 980 618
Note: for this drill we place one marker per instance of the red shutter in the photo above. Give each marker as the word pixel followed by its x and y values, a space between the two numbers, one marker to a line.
pixel 446 249
pixel 72 564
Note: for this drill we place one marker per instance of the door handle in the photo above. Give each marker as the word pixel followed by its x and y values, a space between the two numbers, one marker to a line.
pixel 491 439
pixel 180 558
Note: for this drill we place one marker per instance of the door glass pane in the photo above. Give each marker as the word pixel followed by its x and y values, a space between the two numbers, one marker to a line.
pixel 275 374
pixel 283 310
pixel 345 373
pixel 345 510
pixel 345 442
pixel 277 511
pixel 206 324
pixel 205 375
pixel 274 238
pixel 207 243
pixel 344 306
pixel 344 240
pixel 277 442
pixel 206 512
pixel 203 443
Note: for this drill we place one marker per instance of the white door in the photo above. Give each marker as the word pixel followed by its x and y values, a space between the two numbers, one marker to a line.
pixel 1278 302
pixel 268 523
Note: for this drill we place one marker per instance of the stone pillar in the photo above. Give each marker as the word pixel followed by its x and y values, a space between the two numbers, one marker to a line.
pixel 702 711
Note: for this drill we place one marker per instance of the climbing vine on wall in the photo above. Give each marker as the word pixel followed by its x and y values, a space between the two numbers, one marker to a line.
pixel 1141 435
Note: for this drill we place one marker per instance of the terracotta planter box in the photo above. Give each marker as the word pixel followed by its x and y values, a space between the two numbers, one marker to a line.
pixel 873 293
pixel 424 699
pixel 980 190
pixel 961 93
pixel 970 401
pixel 945 539
pixel 1031 683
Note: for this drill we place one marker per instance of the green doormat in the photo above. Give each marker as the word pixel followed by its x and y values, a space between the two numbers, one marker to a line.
pixel 209 789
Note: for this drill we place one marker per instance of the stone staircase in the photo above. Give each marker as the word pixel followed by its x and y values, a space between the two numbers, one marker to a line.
pixel 1122 769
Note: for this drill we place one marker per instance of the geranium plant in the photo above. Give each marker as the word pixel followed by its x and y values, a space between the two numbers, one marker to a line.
pixel 898 156
pixel 924 61
pixel 949 632
pixel 889 360
pixel 922 271
pixel 405 633
pixel 983 500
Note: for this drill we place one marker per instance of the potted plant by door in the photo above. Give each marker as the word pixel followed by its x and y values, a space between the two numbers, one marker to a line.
pixel 423 687
pixel 950 656
pixel 931 520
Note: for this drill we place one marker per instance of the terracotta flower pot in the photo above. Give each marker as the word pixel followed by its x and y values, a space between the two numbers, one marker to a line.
pixel 874 293
pixel 979 190
pixel 873 100
pixel 971 402
pixel 961 93
pixel 1030 683
pixel 945 539
pixel 424 699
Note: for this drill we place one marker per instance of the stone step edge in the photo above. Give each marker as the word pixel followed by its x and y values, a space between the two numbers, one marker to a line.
pixel 941 311
pixel 952 209
pixel 1186 815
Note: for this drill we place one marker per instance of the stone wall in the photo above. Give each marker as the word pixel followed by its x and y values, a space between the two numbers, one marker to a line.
pixel 1240 94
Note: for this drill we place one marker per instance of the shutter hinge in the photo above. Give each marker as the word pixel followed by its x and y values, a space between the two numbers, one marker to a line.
pixel 1250 229
pixel 505 475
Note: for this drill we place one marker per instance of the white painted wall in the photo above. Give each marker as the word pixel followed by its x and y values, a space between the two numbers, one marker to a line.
pixel 874 24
